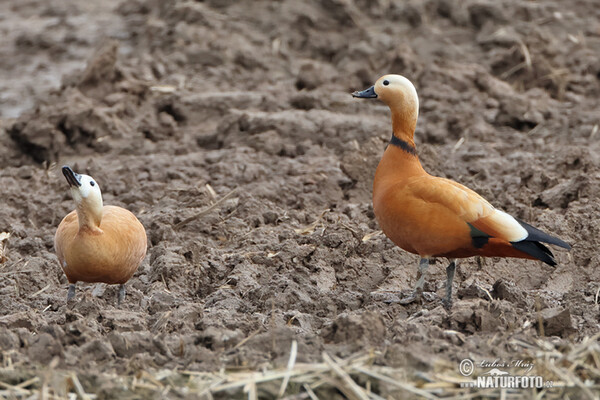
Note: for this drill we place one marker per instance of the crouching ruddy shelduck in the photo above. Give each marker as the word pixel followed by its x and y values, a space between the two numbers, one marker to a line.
pixel 96 243
pixel 437 217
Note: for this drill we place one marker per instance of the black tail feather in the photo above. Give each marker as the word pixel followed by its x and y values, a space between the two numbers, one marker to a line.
pixel 531 244
pixel 535 235
pixel 535 249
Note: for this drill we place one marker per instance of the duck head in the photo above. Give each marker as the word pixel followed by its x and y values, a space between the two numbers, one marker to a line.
pixel 401 97
pixel 88 198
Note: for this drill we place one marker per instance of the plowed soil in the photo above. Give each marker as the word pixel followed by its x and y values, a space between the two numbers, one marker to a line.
pixel 172 105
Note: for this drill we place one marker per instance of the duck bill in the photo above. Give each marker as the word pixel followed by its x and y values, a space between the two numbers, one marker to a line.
pixel 366 94
pixel 73 178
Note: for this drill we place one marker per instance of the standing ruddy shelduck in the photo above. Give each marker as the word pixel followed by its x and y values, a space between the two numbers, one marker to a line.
pixel 437 217
pixel 96 243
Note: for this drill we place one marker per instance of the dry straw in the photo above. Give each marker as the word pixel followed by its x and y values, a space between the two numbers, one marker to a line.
pixel 574 370
pixel 3 244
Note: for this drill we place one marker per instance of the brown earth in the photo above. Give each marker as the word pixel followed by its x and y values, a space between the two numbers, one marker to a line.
pixel 173 105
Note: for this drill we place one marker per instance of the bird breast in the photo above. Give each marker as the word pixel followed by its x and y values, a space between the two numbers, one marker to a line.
pixel 111 254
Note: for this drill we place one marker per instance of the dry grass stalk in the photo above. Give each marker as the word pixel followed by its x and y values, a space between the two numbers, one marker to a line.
pixel 3 244
pixel 163 89
pixel 573 368
pixel 290 366
pixel 371 235
pixel 311 228
pixel 205 211
pixel 78 387
pixel 356 392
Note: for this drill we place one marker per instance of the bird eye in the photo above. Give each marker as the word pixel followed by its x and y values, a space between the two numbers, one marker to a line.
pixel 92 183
pixel 386 82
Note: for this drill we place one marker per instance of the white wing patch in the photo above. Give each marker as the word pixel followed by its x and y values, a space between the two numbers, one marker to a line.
pixel 509 227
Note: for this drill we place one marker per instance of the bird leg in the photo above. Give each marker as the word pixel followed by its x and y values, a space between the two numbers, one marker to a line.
pixel 423 265
pixel 447 301
pixel 71 291
pixel 416 295
pixel 121 295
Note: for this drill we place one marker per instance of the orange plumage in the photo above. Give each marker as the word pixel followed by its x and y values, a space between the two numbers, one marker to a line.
pixel 430 216
pixel 97 243
pixel 437 217
pixel 111 254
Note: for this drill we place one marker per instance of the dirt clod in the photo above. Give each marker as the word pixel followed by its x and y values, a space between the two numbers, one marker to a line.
pixel 557 322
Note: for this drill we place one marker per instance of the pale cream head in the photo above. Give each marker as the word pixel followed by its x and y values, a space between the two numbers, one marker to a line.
pixel 87 195
pixel 397 92
pixel 89 191
pixel 401 96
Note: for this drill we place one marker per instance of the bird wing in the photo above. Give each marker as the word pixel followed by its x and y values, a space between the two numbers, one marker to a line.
pixel 483 219
pixel 124 231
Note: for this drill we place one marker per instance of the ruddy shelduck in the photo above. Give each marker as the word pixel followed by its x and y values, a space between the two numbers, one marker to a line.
pixel 437 217
pixel 96 243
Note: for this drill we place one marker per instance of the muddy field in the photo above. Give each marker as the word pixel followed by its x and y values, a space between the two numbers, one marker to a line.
pixel 173 105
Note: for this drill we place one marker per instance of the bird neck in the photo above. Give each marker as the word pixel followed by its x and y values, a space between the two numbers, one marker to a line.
pixel 404 122
pixel 400 157
pixel 89 216
pixel 400 160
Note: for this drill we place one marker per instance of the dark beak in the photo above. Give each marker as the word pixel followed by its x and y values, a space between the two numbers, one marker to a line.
pixel 73 178
pixel 366 94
